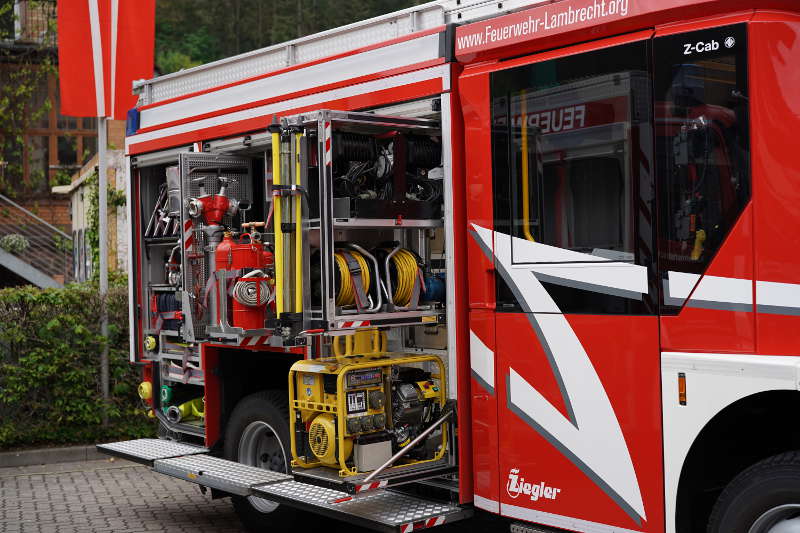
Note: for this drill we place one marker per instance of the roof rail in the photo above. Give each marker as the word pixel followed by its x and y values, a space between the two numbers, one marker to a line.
pixel 320 45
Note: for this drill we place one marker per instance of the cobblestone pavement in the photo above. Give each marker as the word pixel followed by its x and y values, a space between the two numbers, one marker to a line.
pixel 106 496
pixel 123 497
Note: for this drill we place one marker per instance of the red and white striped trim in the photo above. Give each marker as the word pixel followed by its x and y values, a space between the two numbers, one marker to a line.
pixel 328 140
pixel 372 486
pixel 353 324
pixel 422 524
pixel 188 234
pixel 257 340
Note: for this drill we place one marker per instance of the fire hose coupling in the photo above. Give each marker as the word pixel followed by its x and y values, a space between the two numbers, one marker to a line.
pixel 190 410
pixel 145 390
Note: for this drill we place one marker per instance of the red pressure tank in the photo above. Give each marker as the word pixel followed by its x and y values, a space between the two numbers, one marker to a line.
pixel 250 295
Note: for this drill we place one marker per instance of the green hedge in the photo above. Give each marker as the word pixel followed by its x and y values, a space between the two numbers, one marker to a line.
pixel 50 346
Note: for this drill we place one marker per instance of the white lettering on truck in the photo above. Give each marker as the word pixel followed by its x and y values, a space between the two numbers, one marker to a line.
pixel 517 485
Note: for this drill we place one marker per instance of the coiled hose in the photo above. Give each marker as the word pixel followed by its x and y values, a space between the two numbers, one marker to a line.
pixel 347 293
pixel 252 293
pixel 405 263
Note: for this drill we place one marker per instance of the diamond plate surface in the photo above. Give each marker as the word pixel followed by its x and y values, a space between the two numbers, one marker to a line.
pixel 218 473
pixel 385 507
pixel 149 449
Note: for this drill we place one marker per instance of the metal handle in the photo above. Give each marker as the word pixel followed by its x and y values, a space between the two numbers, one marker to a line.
pixel 410 445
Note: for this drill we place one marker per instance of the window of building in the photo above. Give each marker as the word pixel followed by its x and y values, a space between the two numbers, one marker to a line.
pixel 55 145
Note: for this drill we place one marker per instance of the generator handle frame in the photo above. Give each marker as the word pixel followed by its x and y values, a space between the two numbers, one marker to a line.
pixel 405 449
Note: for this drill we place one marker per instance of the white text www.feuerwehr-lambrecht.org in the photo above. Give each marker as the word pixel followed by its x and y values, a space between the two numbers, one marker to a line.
pixel 549 20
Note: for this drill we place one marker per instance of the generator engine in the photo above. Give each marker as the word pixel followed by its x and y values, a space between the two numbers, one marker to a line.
pixel 355 412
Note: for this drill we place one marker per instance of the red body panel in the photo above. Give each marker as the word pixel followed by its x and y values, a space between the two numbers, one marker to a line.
pixel 213 394
pixel 461 275
pixel 714 330
pixel 484 420
pixel 775 105
pixel 624 361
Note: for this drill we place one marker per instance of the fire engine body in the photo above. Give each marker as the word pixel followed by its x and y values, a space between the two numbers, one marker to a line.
pixel 532 259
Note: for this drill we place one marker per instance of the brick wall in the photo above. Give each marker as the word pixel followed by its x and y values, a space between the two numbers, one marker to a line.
pixel 54 210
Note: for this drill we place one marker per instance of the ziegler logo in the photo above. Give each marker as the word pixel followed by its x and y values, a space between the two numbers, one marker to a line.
pixel 516 485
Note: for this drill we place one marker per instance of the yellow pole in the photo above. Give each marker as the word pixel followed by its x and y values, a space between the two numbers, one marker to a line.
pixel 526 186
pixel 276 200
pixel 298 232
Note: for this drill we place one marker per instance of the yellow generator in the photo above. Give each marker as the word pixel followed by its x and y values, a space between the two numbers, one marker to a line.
pixel 354 412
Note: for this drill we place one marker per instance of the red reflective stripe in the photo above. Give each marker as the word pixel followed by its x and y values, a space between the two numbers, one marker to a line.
pixel 297 94
pixel 410 91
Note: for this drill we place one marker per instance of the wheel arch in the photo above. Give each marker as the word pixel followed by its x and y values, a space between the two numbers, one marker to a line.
pixel 738 436
pixel 242 373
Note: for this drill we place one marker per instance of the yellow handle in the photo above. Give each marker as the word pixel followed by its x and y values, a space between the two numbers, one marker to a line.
pixel 298 235
pixel 699 239
pixel 276 202
pixel 526 186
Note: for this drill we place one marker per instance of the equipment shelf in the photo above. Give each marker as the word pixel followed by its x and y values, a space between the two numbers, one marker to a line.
pixel 400 223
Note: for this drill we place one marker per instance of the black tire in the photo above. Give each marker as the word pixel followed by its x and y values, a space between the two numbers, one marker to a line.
pixel 764 487
pixel 270 407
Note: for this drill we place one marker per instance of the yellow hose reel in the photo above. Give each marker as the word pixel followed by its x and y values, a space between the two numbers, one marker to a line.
pixel 407 273
pixel 347 290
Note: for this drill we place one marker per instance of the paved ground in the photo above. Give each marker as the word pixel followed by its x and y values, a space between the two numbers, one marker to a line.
pixel 121 497
pixel 106 496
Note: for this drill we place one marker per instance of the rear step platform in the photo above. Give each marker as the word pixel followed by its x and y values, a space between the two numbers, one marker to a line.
pixel 146 451
pixel 381 510
pixel 384 510
pixel 229 476
pixel 329 477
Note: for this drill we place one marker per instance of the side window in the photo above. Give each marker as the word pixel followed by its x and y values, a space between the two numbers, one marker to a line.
pixel 702 145
pixel 572 144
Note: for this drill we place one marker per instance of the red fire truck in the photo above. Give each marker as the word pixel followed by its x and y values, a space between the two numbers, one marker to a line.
pixel 529 259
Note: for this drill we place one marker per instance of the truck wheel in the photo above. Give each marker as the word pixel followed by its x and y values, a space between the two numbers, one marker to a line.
pixel 765 498
pixel 258 435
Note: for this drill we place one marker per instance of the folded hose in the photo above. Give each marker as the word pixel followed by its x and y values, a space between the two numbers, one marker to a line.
pixel 250 292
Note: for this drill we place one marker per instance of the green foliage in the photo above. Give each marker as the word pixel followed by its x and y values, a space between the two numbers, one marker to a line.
pixel 114 199
pixel 173 61
pixel 23 73
pixel 14 243
pixel 206 30
pixel 50 347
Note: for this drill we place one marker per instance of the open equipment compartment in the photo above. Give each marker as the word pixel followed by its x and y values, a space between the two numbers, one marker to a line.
pixel 375 202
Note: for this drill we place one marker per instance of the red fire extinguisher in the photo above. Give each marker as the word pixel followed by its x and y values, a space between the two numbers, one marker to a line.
pixel 252 291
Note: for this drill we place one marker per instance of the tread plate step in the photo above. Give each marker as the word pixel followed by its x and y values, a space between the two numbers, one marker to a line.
pixel 145 451
pixel 384 510
pixel 329 477
pixel 228 476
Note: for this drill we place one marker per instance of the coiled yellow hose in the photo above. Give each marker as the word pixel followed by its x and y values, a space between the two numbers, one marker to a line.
pixel 407 271
pixel 347 293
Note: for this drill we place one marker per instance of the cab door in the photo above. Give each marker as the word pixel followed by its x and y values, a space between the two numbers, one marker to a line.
pixel 571 242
